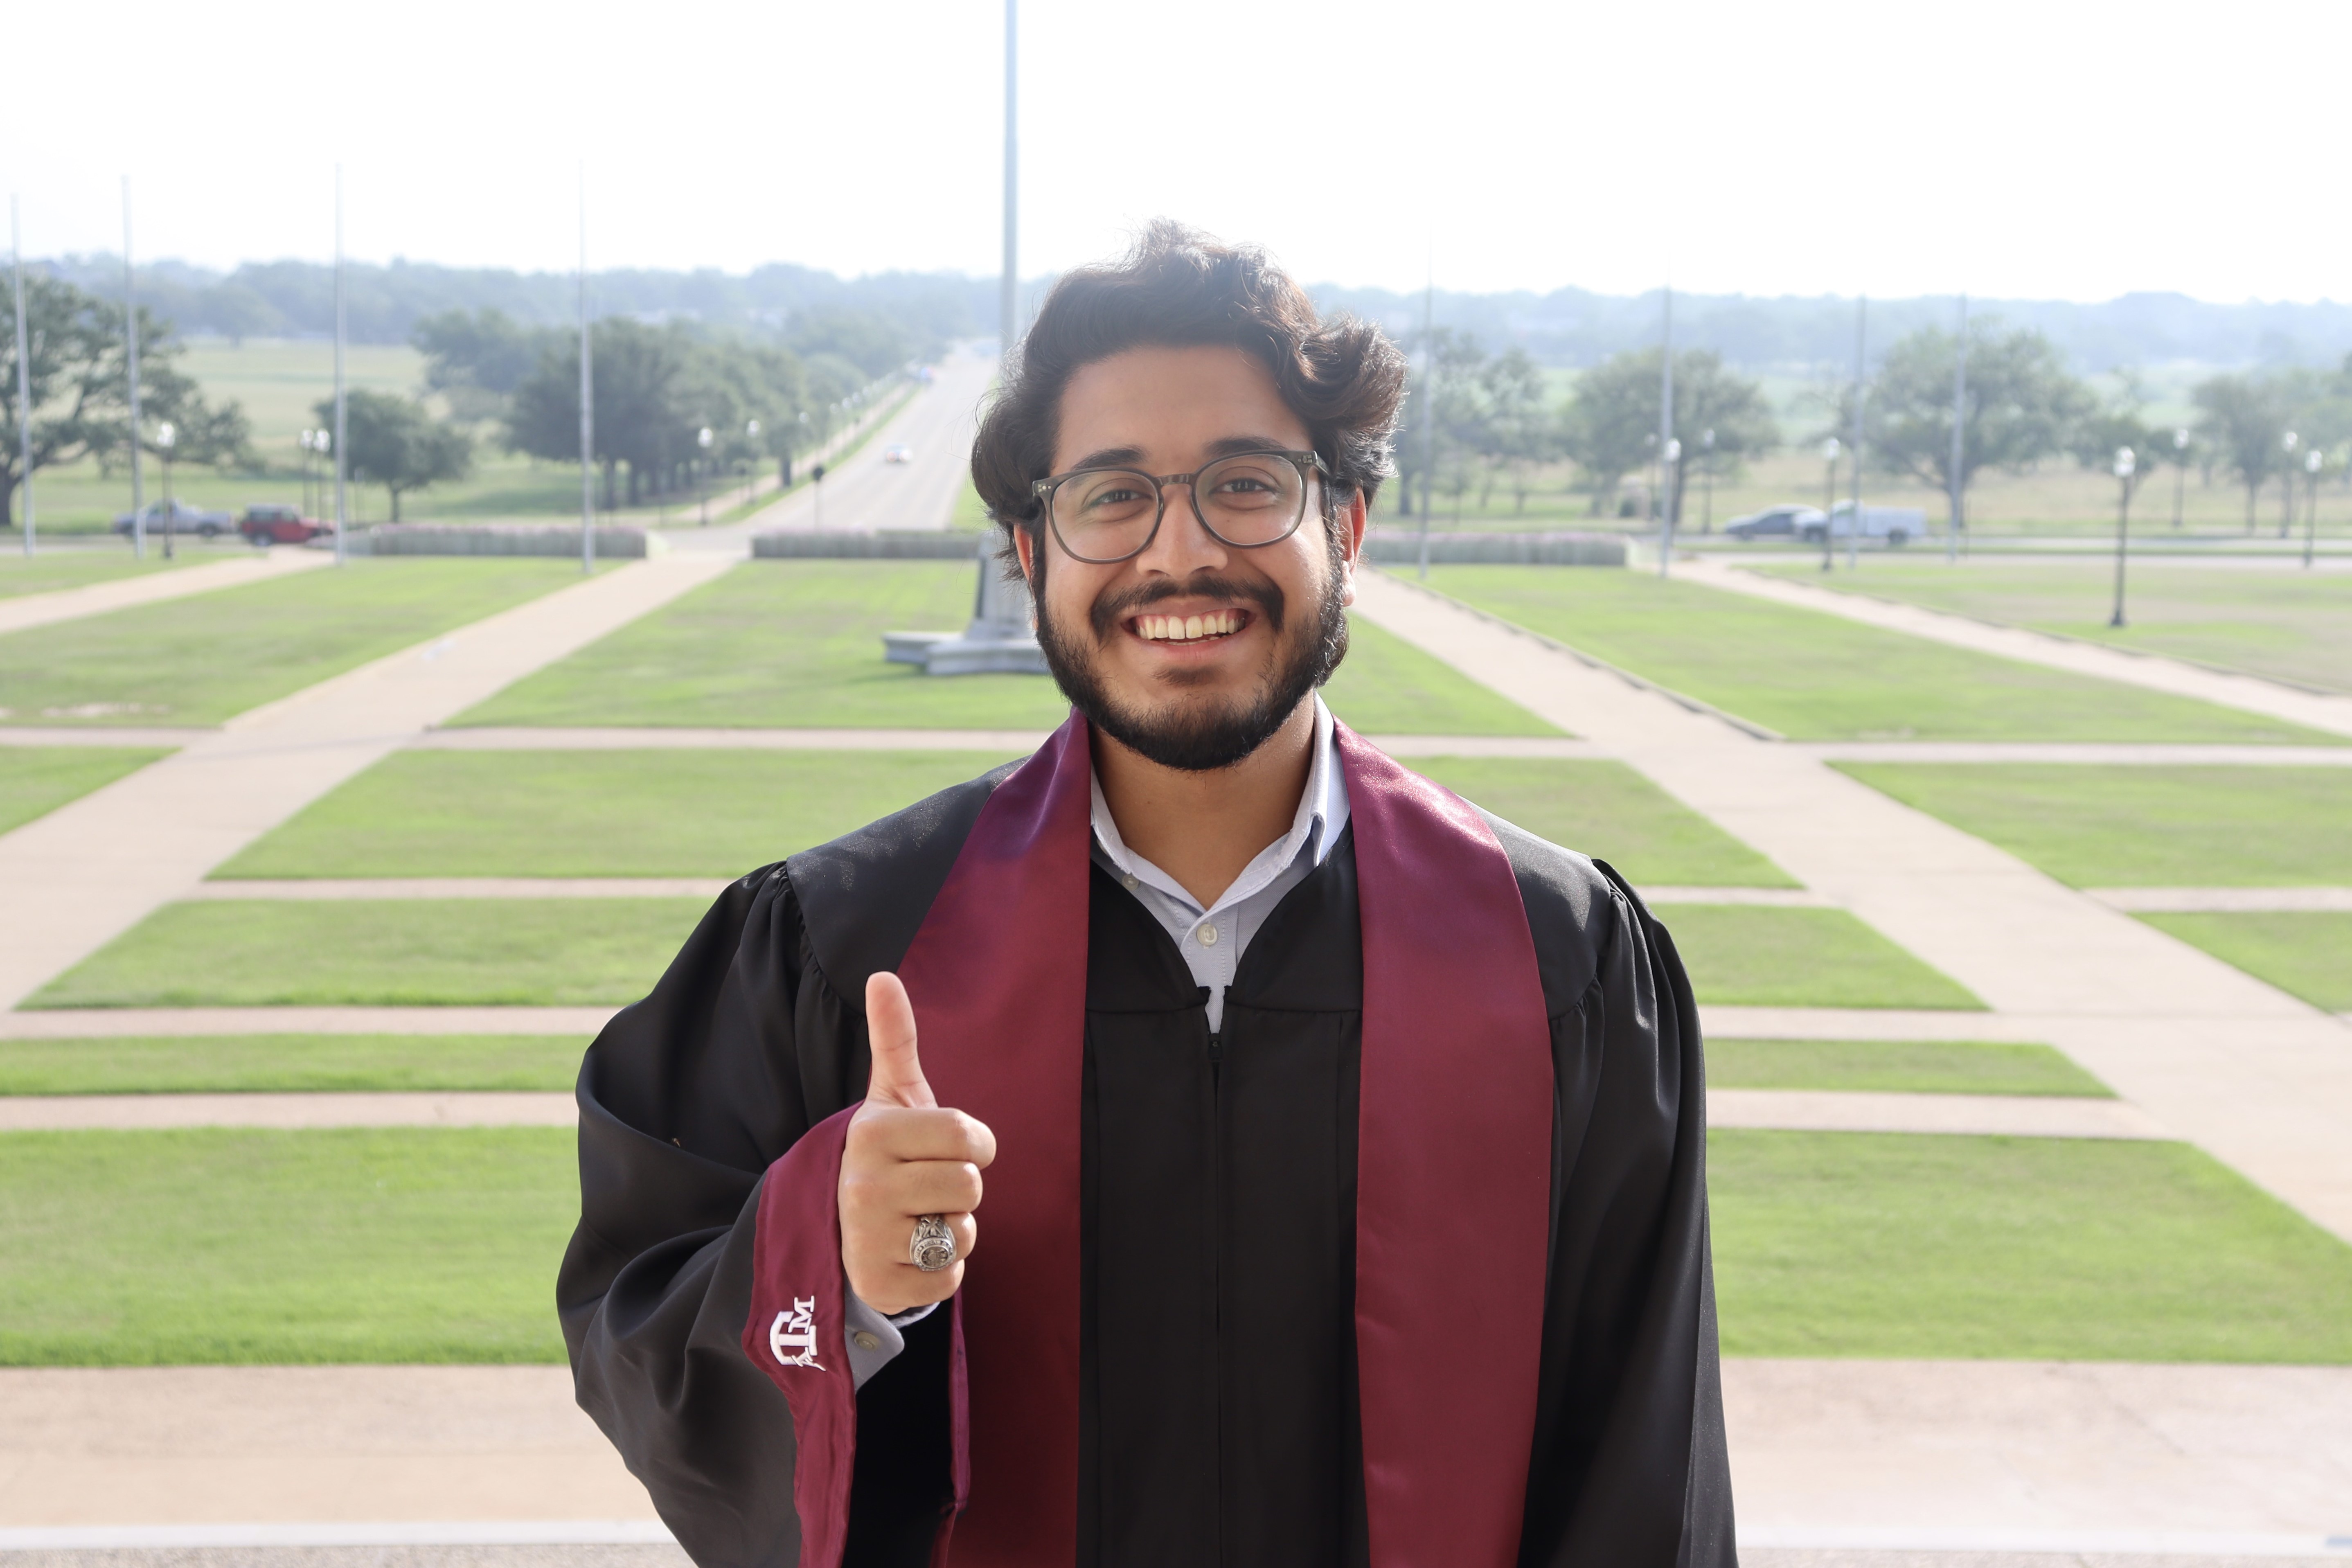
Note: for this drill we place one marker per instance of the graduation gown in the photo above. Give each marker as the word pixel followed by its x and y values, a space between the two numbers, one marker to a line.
pixel 1229 1330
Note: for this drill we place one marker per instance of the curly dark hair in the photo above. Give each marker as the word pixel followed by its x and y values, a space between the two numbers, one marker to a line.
pixel 1178 287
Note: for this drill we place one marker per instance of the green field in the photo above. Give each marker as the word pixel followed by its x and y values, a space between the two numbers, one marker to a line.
pixel 595 813
pixel 1914 1066
pixel 385 953
pixel 798 644
pixel 2066 1249
pixel 36 780
pixel 199 660
pixel 2269 619
pixel 1744 955
pixel 2309 955
pixel 53 570
pixel 239 1064
pixel 231 1245
pixel 1814 677
pixel 1607 810
pixel 2129 826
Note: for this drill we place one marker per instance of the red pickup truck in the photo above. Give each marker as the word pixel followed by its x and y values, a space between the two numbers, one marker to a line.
pixel 278 525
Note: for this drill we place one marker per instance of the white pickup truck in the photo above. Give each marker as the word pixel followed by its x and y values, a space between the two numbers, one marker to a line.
pixel 1897 525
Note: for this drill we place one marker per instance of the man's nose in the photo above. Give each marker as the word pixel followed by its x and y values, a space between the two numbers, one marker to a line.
pixel 1183 544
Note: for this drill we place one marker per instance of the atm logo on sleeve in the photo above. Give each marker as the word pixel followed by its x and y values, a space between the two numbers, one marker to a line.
pixel 793 1336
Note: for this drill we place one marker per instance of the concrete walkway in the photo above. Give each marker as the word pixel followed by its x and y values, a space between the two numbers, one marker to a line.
pixel 1771 1109
pixel 2199 1461
pixel 29 610
pixel 2328 712
pixel 131 1023
pixel 91 870
pixel 2227 900
pixel 463 888
pixel 2097 753
pixel 1018 741
pixel 2254 1077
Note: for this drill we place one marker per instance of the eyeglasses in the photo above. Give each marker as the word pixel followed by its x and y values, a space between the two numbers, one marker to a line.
pixel 1248 500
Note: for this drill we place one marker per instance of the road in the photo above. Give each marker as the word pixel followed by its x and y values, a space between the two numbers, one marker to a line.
pixel 863 494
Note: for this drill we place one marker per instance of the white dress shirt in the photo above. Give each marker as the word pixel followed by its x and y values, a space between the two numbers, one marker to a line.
pixel 1212 940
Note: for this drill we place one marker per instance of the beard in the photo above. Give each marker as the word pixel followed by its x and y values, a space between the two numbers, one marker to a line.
pixel 1197 737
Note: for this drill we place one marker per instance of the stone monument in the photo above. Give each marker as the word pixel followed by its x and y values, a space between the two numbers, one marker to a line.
pixel 998 641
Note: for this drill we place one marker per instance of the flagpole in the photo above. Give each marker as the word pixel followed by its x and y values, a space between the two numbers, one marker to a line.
pixel 23 377
pixel 342 465
pixel 587 401
pixel 130 357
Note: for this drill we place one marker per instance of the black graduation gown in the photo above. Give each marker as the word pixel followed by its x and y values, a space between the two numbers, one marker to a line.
pixel 1217 1381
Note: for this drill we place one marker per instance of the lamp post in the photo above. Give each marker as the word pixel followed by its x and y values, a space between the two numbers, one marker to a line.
pixel 2179 473
pixel 2312 463
pixel 1706 472
pixel 24 378
pixel 303 440
pixel 2127 464
pixel 166 438
pixel 2287 444
pixel 752 463
pixel 1669 468
pixel 1830 449
pixel 702 438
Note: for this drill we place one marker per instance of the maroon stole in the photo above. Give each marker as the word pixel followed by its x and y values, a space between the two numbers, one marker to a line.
pixel 1454 1172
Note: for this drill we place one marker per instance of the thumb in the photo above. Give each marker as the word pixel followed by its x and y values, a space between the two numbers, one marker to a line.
pixel 898 1075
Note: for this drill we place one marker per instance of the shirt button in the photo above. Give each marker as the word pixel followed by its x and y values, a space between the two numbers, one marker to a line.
pixel 1128 881
pixel 1208 936
pixel 866 1340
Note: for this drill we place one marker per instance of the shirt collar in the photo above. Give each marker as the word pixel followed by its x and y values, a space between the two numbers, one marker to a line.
pixel 1314 828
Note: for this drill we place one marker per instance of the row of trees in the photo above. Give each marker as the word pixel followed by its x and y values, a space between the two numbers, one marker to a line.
pixel 77 358
pixel 1490 423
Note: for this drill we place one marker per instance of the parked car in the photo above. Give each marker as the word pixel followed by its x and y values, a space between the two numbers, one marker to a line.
pixel 898 452
pixel 278 525
pixel 1897 525
pixel 177 517
pixel 1777 522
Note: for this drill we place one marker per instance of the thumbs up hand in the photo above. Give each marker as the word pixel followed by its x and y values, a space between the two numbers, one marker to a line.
pixel 906 1157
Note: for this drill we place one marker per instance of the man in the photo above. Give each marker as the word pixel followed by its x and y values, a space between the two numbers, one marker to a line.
pixel 1340 1150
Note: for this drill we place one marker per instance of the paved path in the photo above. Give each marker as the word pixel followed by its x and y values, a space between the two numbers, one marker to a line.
pixel 522 739
pixel 141 1112
pixel 2227 900
pixel 865 494
pixel 1777 1109
pixel 110 1022
pixel 29 610
pixel 2105 753
pixel 88 871
pixel 2252 1075
pixel 2022 1456
pixel 463 888
pixel 2327 712
pixel 97 735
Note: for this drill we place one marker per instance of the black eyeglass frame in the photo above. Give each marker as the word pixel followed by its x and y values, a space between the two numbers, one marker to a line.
pixel 1310 467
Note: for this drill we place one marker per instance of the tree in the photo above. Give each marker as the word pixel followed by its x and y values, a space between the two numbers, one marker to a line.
pixel 392 441
pixel 1518 432
pixel 875 344
pixel 80 404
pixel 1444 426
pixel 1613 417
pixel 477 360
pixel 2022 405
pixel 2244 418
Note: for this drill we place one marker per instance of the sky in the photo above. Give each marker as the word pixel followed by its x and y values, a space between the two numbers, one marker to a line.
pixel 2065 149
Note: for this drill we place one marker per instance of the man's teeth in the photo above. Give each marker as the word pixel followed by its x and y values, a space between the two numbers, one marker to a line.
pixel 1188 628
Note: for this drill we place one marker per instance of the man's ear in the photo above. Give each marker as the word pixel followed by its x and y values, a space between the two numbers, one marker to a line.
pixel 1024 546
pixel 1352 519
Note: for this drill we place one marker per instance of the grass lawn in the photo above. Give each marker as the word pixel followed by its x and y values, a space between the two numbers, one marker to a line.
pixel 595 813
pixel 2309 955
pixel 36 780
pixel 2144 827
pixel 239 1064
pixel 220 1245
pixel 53 570
pixel 199 660
pixel 1916 1066
pixel 799 644
pixel 2274 619
pixel 1814 676
pixel 1610 812
pixel 1742 955
pixel 1831 1244
pixel 386 952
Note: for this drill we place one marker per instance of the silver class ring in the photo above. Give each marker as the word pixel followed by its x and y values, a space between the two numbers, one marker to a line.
pixel 932 1247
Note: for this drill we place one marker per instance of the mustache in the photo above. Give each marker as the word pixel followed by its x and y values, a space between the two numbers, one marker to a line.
pixel 1116 605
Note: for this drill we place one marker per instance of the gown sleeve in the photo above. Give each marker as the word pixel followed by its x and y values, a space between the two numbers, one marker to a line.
pixel 1629 1466
pixel 686 1101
